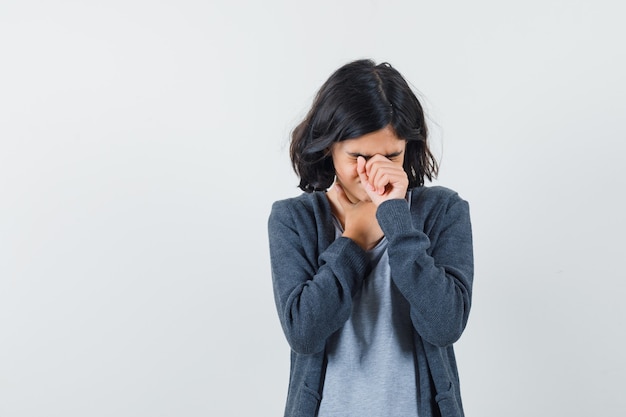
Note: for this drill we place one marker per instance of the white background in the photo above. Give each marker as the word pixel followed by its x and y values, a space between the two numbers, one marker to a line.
pixel 143 142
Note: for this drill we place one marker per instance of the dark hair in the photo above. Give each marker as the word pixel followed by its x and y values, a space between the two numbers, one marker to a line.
pixel 360 98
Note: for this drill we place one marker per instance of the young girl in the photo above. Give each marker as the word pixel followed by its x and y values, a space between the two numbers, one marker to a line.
pixel 372 271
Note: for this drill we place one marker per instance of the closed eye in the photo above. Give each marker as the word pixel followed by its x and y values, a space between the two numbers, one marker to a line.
pixel 391 156
pixel 394 155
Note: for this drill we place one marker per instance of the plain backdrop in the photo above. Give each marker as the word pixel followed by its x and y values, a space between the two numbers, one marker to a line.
pixel 142 144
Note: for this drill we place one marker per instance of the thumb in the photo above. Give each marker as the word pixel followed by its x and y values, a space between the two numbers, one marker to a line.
pixel 341 196
pixel 360 167
pixel 362 172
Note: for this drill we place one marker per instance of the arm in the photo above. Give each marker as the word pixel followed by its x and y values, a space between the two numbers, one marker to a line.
pixel 434 272
pixel 313 295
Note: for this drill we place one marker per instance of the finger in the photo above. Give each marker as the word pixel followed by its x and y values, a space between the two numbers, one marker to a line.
pixel 376 170
pixel 380 182
pixel 341 196
pixel 384 175
pixel 391 179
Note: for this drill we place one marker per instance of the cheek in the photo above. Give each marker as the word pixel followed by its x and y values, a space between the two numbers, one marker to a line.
pixel 346 171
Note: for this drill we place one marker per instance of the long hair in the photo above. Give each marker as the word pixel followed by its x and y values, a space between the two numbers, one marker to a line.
pixel 360 98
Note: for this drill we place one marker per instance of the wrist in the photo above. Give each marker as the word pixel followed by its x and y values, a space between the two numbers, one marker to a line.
pixel 362 240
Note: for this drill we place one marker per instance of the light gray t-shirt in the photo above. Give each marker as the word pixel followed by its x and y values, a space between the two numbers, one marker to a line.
pixel 371 368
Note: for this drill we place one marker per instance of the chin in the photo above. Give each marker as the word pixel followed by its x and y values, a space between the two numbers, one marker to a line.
pixel 360 197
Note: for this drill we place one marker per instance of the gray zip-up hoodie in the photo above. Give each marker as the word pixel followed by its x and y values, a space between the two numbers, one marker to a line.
pixel 315 276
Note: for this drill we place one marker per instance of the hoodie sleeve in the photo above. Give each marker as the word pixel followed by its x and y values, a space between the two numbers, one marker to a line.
pixel 313 293
pixel 433 271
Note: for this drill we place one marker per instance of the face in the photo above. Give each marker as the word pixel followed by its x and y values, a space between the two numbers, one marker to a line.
pixel 345 153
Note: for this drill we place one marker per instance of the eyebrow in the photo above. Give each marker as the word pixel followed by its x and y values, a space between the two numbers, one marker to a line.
pixel 388 156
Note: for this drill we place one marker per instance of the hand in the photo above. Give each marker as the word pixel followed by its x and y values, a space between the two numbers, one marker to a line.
pixel 382 178
pixel 359 219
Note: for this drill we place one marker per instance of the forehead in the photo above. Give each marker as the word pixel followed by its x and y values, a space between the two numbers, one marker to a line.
pixel 382 142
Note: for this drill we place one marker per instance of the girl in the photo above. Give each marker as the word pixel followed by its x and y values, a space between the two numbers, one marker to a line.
pixel 373 276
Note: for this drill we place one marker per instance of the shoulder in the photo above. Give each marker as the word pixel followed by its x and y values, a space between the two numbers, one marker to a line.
pixel 437 202
pixel 306 206
pixel 434 196
pixel 306 218
pixel 302 203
